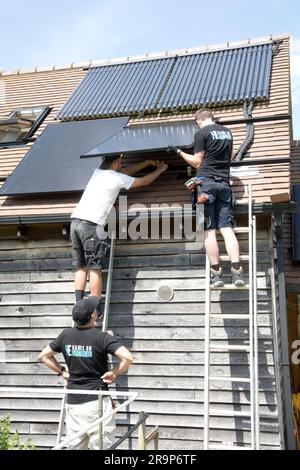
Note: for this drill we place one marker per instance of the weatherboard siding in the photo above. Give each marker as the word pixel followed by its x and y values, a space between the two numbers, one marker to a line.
pixel 292 270
pixel 167 339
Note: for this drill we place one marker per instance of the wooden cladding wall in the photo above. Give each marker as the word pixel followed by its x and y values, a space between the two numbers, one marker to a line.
pixel 271 139
pixel 292 270
pixel 167 339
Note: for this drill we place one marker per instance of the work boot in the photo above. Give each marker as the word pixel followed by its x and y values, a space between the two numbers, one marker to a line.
pixel 237 277
pixel 216 278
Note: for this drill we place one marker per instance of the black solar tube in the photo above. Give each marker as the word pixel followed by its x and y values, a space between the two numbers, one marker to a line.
pixel 251 76
pixel 216 87
pixel 248 79
pixel 240 74
pixel 261 71
pixel 237 59
pixel 84 95
pixel 67 108
pixel 113 95
pixel 255 79
pixel 186 97
pixel 182 81
pixel 267 74
pixel 209 76
pixel 133 87
pixel 111 85
pixel 146 97
pixel 222 91
pixel 196 81
pixel 139 100
pixel 159 83
pixel 203 85
pixel 94 93
pixel 105 87
pixel 165 99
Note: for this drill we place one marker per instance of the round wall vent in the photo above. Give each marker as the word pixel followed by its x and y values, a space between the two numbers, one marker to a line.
pixel 165 293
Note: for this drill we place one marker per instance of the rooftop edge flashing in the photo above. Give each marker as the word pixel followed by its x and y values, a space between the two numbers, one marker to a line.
pixel 151 56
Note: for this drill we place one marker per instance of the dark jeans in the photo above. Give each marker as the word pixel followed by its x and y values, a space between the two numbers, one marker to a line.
pixel 218 208
pixel 88 249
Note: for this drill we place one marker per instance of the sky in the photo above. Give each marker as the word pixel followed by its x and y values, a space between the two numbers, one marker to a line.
pixel 41 33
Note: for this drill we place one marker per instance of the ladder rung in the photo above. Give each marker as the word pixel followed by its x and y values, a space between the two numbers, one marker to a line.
pixel 230 316
pixel 230 287
pixel 241 229
pixel 224 447
pixel 238 230
pixel 231 414
pixel 230 379
pixel 226 258
pixel 225 348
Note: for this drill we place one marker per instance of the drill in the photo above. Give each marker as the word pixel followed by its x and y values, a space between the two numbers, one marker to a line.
pixel 194 184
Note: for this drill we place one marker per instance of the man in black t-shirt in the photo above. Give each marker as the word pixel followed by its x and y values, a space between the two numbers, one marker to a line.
pixel 212 157
pixel 85 350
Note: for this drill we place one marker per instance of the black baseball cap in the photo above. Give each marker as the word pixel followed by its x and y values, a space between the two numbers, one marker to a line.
pixel 82 310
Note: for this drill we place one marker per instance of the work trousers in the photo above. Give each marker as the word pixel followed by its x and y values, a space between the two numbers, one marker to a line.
pixel 81 416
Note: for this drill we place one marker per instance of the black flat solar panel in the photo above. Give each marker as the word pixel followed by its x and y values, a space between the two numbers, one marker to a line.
pixel 53 163
pixel 143 138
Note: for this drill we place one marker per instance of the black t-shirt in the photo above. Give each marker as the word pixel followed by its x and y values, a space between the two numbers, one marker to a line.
pixel 85 352
pixel 216 141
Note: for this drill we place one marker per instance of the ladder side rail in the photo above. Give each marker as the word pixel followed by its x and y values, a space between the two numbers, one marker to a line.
pixel 109 281
pixel 207 356
pixel 251 338
pixel 256 345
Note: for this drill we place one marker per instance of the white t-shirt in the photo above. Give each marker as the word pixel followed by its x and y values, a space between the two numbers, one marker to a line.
pixel 100 195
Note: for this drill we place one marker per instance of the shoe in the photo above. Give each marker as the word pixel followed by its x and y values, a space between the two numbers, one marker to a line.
pixel 216 278
pixel 237 277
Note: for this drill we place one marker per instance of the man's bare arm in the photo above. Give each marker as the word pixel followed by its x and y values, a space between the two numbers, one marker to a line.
pixel 47 356
pixel 193 160
pixel 125 358
pixel 133 169
pixel 148 179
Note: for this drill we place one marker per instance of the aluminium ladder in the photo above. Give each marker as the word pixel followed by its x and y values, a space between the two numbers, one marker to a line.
pixel 104 329
pixel 251 348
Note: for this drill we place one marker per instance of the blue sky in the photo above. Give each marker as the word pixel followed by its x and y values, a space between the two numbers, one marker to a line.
pixel 40 33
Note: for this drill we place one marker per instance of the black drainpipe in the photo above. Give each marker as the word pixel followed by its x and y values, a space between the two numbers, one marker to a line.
pixel 285 363
pixel 248 108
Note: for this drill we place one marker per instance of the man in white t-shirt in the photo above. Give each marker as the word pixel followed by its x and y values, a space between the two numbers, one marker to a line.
pixel 91 213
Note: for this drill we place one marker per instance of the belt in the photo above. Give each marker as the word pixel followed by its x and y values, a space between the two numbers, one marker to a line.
pixel 216 179
pixel 86 221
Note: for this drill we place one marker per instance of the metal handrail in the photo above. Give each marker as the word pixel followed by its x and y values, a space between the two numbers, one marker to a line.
pixel 131 396
pixel 130 432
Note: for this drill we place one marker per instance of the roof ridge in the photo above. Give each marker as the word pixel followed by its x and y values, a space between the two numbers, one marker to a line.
pixel 151 56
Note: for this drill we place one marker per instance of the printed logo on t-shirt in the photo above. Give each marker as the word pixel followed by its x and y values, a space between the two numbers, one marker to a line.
pixel 221 135
pixel 78 351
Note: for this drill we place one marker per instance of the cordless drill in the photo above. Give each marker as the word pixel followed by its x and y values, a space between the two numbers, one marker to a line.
pixel 194 184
